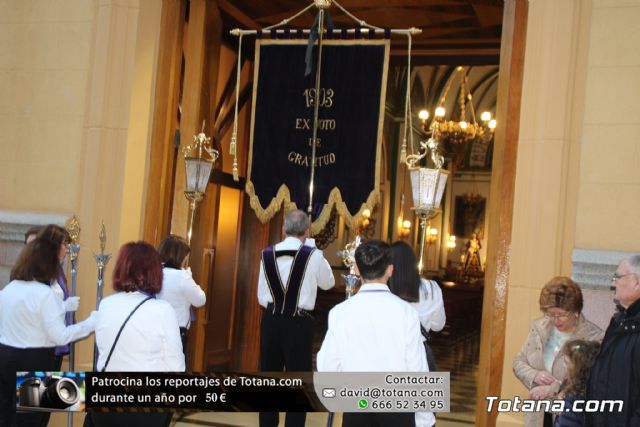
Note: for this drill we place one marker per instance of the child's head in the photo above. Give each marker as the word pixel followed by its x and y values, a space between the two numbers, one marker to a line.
pixel 580 355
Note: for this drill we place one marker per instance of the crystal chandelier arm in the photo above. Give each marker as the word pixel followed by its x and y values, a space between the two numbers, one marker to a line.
pixel 466 92
pixel 446 90
pixel 463 94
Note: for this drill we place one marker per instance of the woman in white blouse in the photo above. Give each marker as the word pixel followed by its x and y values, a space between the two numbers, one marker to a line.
pixel 149 340
pixel 32 324
pixel 178 287
pixel 424 295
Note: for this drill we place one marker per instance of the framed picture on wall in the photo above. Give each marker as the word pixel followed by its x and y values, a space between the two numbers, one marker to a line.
pixel 469 216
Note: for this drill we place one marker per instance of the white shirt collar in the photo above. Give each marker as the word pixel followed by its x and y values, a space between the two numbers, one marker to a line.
pixel 370 287
pixel 291 241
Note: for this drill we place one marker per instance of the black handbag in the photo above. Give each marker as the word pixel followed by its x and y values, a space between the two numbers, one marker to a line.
pixel 431 361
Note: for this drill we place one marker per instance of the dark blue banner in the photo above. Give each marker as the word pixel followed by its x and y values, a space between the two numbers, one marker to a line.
pixel 351 99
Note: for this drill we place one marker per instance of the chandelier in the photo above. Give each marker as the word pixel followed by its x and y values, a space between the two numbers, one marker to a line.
pixel 459 131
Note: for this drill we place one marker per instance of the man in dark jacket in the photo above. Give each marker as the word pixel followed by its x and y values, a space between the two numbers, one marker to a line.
pixel 615 375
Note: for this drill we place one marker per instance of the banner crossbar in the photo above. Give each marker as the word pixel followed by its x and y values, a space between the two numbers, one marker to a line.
pixel 406 31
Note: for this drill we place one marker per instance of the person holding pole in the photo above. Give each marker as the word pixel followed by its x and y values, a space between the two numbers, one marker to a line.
pixel 32 324
pixel 60 237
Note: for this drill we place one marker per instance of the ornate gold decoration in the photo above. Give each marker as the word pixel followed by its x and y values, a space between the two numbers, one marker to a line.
pixel 103 237
pixel 322 4
pixel 201 142
pixel 349 260
pixel 283 197
pixel 328 233
pixel 73 228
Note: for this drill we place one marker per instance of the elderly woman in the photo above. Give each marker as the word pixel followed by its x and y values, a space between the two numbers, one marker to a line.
pixel 540 365
pixel 135 331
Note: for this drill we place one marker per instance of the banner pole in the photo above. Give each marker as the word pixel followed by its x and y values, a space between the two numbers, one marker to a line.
pixel 316 109
pixel 396 31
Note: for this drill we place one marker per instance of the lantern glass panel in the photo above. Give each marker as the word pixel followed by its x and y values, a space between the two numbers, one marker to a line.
pixel 423 184
pixel 197 174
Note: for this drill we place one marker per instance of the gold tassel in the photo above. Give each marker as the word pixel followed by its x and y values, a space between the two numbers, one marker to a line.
pixel 232 145
pixel 235 169
pixel 403 152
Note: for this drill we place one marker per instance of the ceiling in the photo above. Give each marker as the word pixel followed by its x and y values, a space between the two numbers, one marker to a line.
pixel 453 31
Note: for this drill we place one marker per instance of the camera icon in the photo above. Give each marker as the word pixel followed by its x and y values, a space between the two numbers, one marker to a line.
pixel 50 392
pixel 329 392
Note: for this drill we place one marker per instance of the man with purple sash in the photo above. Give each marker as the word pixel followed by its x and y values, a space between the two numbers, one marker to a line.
pixel 290 274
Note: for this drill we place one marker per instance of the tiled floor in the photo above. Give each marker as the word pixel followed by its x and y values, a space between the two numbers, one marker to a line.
pixel 460 358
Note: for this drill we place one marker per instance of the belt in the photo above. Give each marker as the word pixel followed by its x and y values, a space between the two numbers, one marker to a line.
pixel 299 312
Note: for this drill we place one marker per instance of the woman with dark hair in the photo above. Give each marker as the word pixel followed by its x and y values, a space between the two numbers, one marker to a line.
pixel 178 287
pixel 32 323
pixel 540 364
pixel 135 330
pixel 424 295
pixel 60 237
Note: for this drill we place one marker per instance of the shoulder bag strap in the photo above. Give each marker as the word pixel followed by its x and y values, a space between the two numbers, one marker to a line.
pixel 113 346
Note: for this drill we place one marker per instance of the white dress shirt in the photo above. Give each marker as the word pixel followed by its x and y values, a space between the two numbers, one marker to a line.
pixel 181 291
pixel 374 331
pixel 317 275
pixel 150 341
pixel 32 315
pixel 430 306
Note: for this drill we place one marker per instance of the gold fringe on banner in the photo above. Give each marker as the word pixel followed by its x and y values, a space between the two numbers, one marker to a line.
pixel 283 197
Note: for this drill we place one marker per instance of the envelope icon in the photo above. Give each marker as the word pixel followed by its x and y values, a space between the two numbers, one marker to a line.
pixel 329 392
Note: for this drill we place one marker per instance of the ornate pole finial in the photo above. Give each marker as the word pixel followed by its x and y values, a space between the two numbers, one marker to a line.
pixel 73 228
pixel 103 237
pixel 322 4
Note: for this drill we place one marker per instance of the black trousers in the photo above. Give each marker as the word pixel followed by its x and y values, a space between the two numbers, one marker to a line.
pixel 376 419
pixel 285 344
pixel 58 362
pixel 21 359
